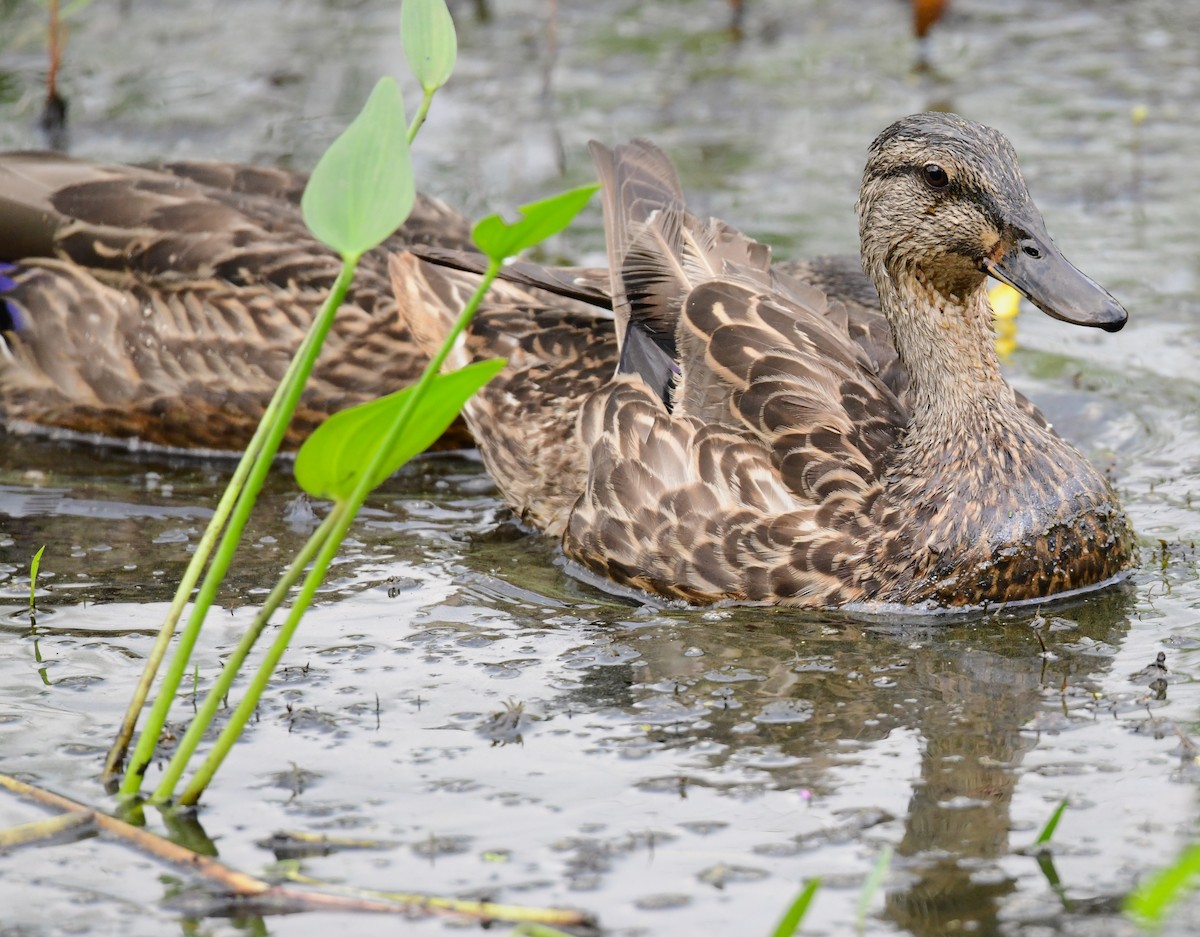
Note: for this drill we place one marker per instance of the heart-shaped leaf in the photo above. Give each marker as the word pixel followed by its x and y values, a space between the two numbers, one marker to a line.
pixel 331 460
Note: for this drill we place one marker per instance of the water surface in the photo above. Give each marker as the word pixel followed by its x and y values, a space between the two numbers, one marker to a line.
pixel 674 771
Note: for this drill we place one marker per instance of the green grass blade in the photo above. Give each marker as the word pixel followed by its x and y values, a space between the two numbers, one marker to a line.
pixel 329 463
pixel 789 924
pixel 429 40
pixel 540 220
pixel 1150 901
pixel 1051 824
pixel 34 566
pixel 878 873
pixel 362 188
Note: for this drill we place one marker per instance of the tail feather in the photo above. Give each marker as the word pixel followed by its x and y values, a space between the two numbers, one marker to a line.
pixel 658 253
pixel 429 305
pixel 639 186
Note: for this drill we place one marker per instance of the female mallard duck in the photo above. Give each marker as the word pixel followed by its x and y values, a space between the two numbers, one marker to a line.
pixel 760 442
pixel 164 304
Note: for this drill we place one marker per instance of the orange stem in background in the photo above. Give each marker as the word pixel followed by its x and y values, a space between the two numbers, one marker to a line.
pixel 55 44
pixel 925 14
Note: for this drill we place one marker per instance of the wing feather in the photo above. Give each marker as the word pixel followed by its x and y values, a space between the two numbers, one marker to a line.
pixel 795 379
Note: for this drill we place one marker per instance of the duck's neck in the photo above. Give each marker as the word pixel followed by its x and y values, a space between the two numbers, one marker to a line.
pixel 947 345
pixel 981 498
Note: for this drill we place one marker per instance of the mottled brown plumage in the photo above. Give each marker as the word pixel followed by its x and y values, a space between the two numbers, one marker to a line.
pixel 164 304
pixel 760 441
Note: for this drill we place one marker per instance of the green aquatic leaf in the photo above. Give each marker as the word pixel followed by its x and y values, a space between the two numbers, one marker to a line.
pixel 790 923
pixel 872 885
pixel 329 463
pixel 430 43
pixel 34 565
pixel 362 187
pixel 1150 901
pixel 1051 824
pixel 540 220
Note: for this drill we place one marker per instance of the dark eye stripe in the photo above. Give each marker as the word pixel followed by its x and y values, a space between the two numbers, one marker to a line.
pixel 960 187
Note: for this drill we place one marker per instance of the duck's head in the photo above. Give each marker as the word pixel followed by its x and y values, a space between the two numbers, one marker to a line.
pixel 943 200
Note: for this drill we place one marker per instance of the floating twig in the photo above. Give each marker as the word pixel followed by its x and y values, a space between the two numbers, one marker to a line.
pixel 259 894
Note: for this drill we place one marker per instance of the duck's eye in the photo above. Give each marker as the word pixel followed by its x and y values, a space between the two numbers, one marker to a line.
pixel 935 176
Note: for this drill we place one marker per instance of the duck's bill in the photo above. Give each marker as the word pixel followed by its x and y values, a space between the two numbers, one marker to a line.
pixel 1035 269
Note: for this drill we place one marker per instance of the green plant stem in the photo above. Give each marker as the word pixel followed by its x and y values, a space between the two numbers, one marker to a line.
pixel 422 112
pixel 186 584
pixel 344 512
pixel 220 689
pixel 435 365
pixel 288 397
pixel 341 516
